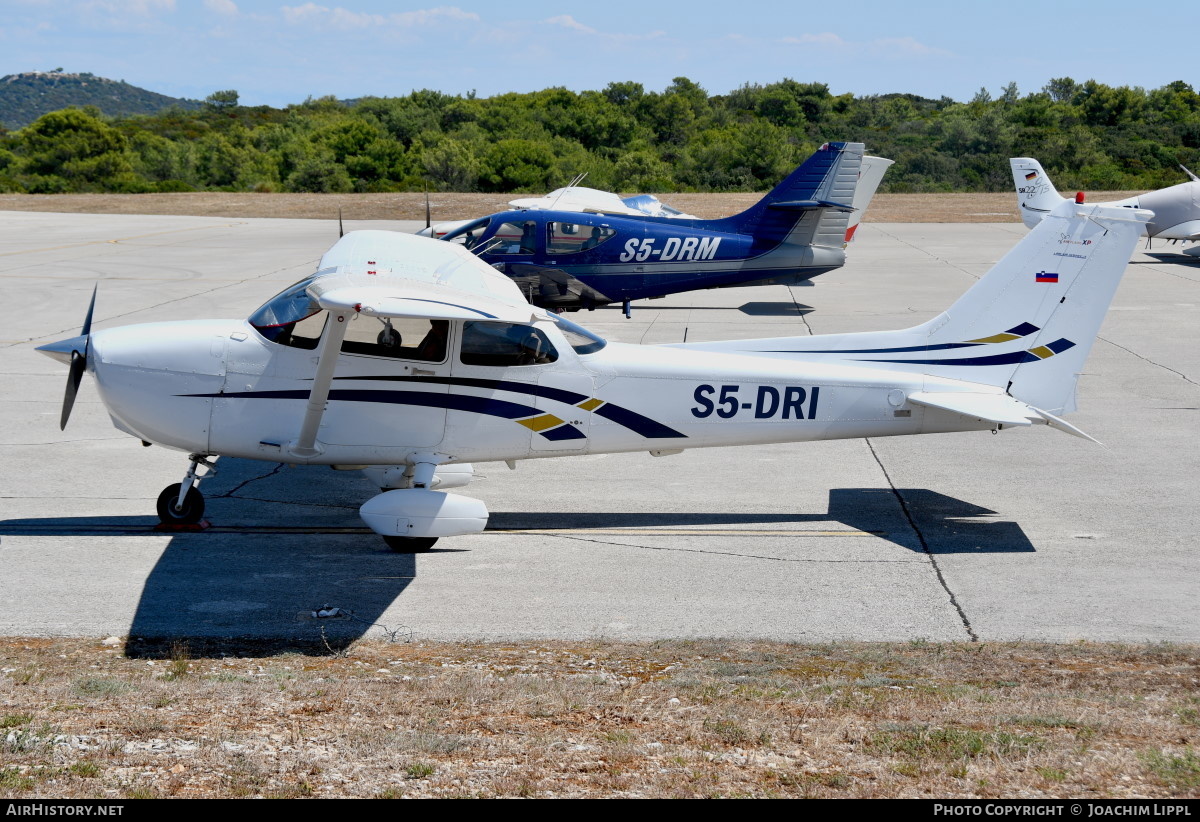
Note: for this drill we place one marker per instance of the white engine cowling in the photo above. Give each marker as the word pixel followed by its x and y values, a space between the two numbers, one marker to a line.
pixel 419 513
pixel 400 476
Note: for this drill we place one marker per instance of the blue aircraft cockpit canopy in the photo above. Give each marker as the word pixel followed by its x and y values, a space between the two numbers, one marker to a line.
pixel 470 233
pixel 582 340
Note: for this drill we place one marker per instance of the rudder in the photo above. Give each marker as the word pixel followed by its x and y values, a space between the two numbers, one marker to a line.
pixel 1036 195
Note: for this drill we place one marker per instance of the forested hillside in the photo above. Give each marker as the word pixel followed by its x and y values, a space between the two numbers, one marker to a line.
pixel 25 97
pixel 1088 135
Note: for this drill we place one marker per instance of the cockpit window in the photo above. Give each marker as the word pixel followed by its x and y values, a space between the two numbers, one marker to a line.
pixel 505 344
pixel 468 234
pixel 290 317
pixel 403 338
pixel 514 238
pixel 580 339
pixel 568 238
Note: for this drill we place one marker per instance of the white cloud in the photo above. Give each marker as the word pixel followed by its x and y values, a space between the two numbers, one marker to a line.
pixel 569 22
pixel 341 18
pixel 142 8
pixel 825 38
pixel 226 7
pixel 424 16
pixel 906 46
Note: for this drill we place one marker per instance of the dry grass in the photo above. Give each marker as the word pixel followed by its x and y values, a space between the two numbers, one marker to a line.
pixel 668 719
pixel 885 208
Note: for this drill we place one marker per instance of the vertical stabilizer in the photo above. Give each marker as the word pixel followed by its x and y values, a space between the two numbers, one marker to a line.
pixel 1025 328
pixel 811 206
pixel 1036 195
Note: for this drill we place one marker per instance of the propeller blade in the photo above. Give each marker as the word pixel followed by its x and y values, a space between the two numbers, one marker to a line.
pixel 87 321
pixel 78 366
pixel 78 363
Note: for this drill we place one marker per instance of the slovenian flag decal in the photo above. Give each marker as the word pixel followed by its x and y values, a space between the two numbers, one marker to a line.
pixel 1045 277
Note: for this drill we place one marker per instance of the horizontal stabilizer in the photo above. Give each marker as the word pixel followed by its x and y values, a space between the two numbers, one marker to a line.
pixel 1062 425
pixel 384 302
pixel 1000 409
pixel 809 205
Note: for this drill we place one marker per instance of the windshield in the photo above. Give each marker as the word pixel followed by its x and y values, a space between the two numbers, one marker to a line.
pixel 278 317
pixel 582 340
pixel 468 234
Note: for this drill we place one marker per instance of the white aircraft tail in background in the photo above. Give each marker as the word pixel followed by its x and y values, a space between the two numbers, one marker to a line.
pixel 1036 195
pixel 1176 208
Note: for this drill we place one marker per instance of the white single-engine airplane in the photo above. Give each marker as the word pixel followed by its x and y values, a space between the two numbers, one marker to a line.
pixel 410 358
pixel 1176 208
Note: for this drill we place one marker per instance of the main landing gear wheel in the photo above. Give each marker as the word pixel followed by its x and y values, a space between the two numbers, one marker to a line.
pixel 191 512
pixel 402 545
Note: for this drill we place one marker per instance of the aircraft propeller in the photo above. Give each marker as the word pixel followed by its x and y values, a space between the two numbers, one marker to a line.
pixel 78 361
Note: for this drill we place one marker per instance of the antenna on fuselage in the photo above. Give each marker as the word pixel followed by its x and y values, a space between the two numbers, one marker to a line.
pixel 578 179
pixel 428 222
pixel 341 230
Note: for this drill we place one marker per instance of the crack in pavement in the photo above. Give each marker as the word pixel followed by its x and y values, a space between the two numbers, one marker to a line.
pixel 230 493
pixel 926 252
pixel 1180 374
pixel 924 545
pixel 735 554
pixel 802 314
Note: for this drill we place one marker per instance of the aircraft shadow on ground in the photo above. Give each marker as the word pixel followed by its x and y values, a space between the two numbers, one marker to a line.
pixel 250 586
pixel 277 553
pixel 1168 257
pixel 927 519
pixel 777 309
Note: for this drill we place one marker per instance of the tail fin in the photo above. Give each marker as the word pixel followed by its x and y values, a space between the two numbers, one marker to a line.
pixel 811 206
pixel 1025 328
pixel 870 175
pixel 1036 195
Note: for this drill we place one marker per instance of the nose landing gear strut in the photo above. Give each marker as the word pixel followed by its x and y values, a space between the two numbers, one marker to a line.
pixel 182 503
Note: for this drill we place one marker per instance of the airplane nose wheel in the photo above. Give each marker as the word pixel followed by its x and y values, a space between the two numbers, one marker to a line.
pixel 182 503
pixel 168 506
pixel 410 545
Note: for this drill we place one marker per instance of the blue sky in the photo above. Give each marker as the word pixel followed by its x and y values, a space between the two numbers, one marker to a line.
pixel 282 52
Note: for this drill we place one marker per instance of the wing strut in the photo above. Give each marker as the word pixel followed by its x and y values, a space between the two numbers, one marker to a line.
pixel 327 356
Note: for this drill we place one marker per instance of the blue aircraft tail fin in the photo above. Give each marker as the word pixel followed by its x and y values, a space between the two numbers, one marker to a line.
pixel 812 205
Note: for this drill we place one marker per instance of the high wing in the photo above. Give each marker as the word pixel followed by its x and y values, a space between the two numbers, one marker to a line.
pixel 387 274
pixel 576 198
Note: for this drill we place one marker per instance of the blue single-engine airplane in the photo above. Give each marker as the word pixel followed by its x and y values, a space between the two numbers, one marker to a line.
pixel 566 260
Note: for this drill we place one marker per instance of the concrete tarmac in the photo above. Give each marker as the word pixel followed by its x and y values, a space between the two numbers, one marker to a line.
pixel 1031 534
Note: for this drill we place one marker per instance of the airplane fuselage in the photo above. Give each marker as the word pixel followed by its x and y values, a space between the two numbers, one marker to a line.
pixel 218 387
pixel 641 257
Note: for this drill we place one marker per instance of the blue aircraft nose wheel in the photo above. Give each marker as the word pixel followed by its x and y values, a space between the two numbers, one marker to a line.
pixel 625 308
